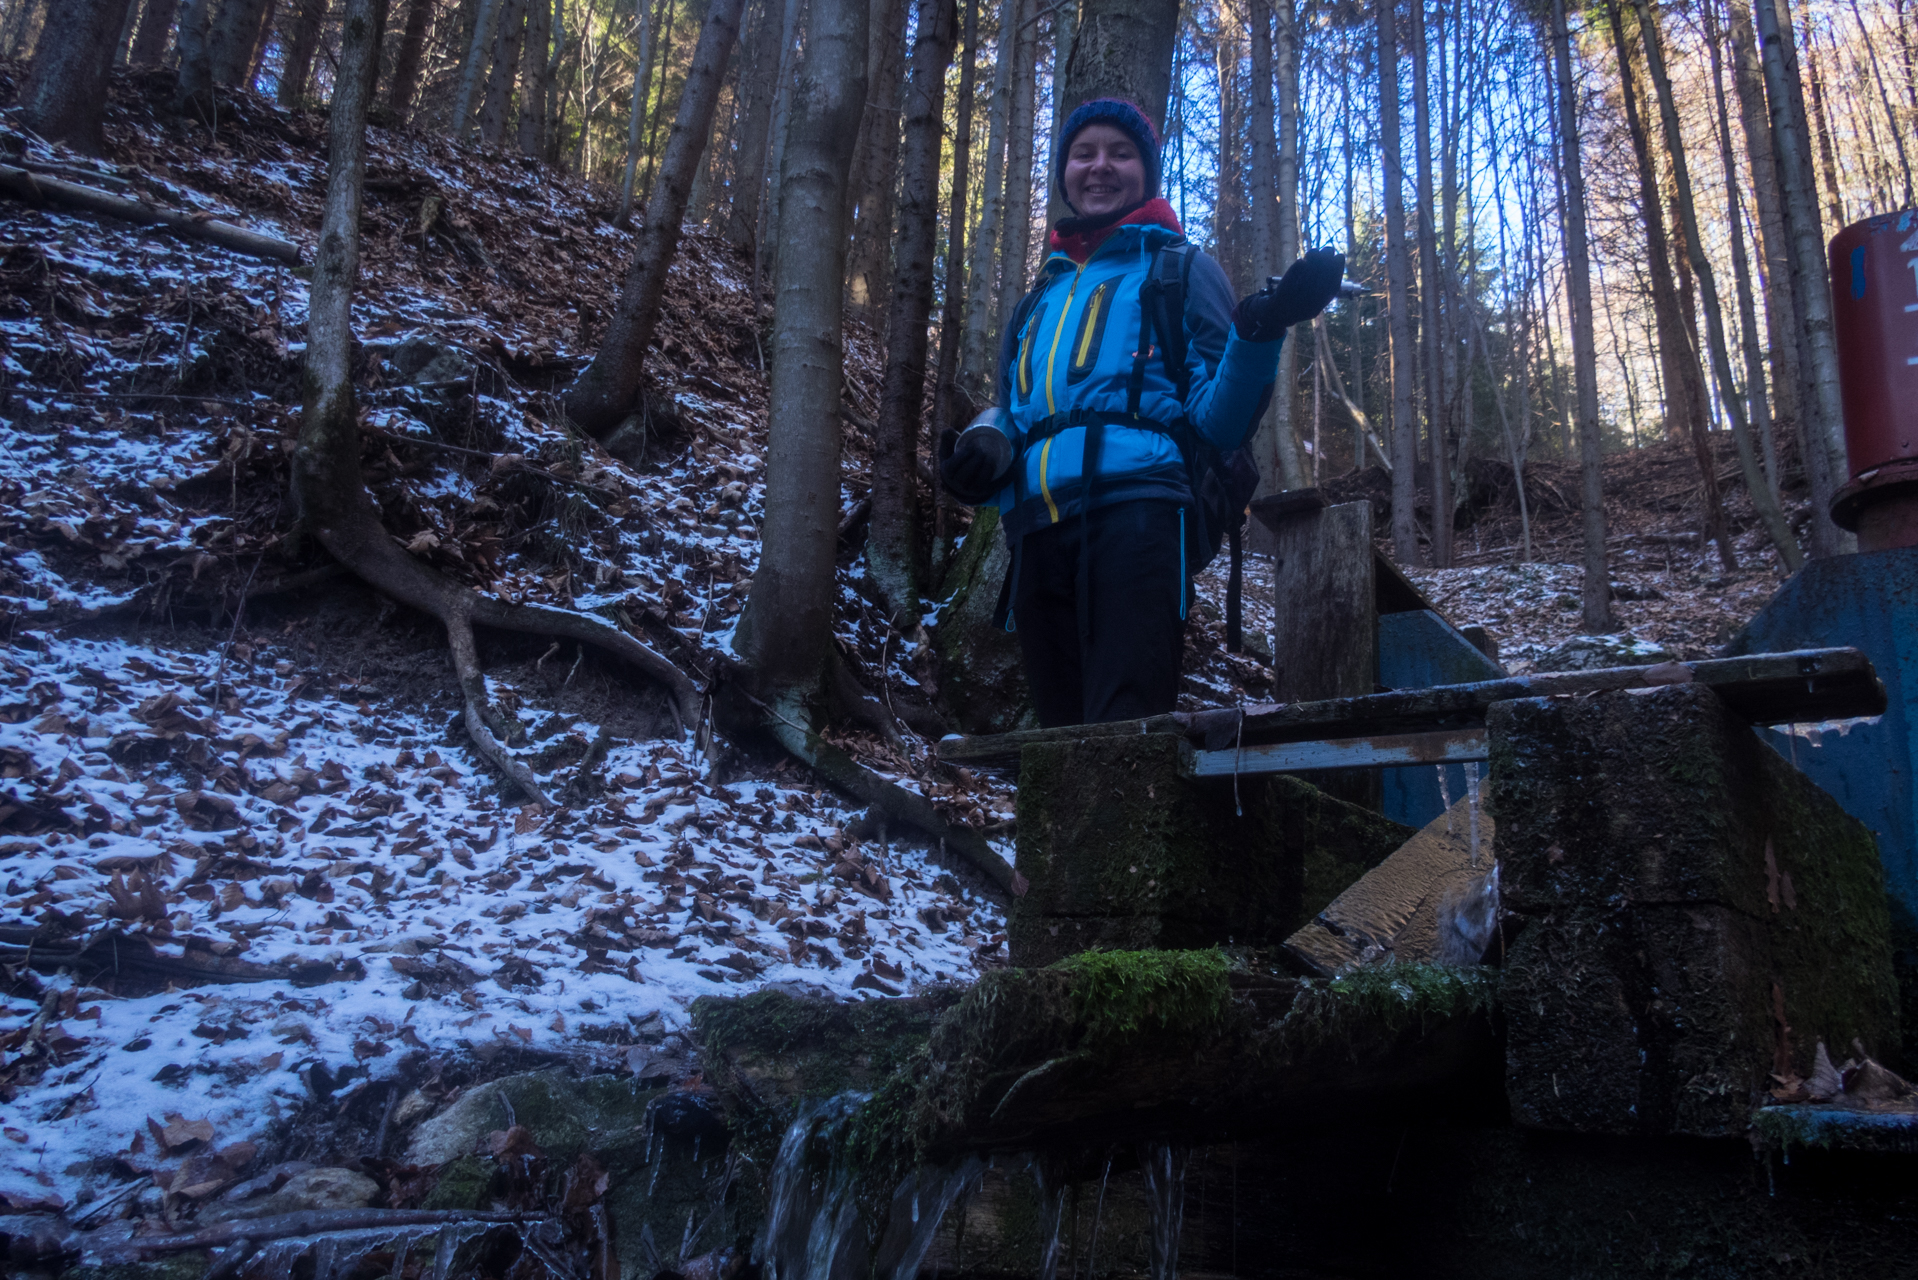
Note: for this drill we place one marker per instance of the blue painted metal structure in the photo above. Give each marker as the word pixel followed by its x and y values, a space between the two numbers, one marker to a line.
pixel 1870 602
pixel 1417 649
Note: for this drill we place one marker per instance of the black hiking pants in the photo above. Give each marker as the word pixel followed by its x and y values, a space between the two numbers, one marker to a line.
pixel 1113 653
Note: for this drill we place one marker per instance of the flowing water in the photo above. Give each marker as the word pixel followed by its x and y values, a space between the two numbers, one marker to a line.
pixel 1164 1167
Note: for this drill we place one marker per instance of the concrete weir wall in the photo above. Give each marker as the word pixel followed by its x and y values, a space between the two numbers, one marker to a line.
pixel 1690 914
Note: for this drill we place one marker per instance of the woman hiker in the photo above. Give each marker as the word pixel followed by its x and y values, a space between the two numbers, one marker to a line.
pixel 1099 586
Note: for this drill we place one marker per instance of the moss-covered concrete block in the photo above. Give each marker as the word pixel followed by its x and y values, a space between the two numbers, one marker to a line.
pixel 1123 850
pixel 1690 912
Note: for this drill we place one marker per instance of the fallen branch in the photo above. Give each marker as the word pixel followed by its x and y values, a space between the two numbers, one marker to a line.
pixel 122 959
pixel 38 189
pixel 310 1222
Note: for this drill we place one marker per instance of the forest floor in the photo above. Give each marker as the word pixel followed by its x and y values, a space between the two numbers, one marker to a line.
pixel 281 796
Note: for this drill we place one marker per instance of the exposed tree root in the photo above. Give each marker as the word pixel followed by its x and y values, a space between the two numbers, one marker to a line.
pixel 742 716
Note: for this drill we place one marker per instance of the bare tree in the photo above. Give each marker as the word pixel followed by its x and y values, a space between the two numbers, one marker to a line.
pixel 334 504
pixel 1016 250
pixel 895 546
pixel 304 43
pixel 1405 538
pixel 1819 400
pixel 508 42
pixel 875 166
pixel 235 35
pixel 66 90
pixel 473 68
pixel 1596 613
pixel 975 357
pixel 1429 357
pixel 642 86
pixel 758 87
pixel 410 58
pixel 946 394
pixel 1123 49
pixel 1757 489
pixel 608 390
pixel 538 58
pixel 156 26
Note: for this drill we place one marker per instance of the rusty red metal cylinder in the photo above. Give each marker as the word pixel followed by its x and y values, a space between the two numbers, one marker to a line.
pixel 1874 286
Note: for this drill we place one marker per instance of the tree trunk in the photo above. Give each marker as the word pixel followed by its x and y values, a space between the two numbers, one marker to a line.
pixel 976 372
pixel 302 44
pixel 193 92
pixel 470 74
pixel 1821 125
pixel 1818 393
pixel 785 637
pixel 24 26
pixel 234 34
pixel 331 494
pixel 1686 410
pixel 1286 233
pixel 758 89
pixel 156 25
pixel 508 42
pixel 1123 49
pixel 608 390
pixel 642 87
pixel 1596 613
pixel 1757 489
pixel 1016 251
pixel 895 554
pixel 539 58
pixel 122 43
pixel 1748 77
pixel 1065 33
pixel 412 55
pixel 1276 468
pixel 875 167
pixel 1405 538
pixel 1429 356
pixel 765 244
pixel 66 90
pixel 946 398
pixel 671 12
pixel 1229 249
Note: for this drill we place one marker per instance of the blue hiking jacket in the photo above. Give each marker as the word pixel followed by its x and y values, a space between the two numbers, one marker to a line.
pixel 1075 351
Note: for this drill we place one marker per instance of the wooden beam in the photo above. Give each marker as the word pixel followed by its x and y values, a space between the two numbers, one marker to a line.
pixel 1444 746
pixel 1765 688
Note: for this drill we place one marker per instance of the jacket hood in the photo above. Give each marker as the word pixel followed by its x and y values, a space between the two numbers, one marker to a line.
pixel 1078 238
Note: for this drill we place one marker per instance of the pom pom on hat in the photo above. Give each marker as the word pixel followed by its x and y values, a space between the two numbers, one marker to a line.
pixel 1124 116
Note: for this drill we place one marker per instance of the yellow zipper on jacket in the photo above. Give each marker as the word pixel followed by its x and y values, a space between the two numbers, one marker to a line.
pixel 1052 355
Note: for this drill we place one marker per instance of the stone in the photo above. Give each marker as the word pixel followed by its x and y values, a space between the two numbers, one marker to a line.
pixel 312 1189
pixel 1123 850
pixel 566 1115
pixel 627 441
pixel 1686 912
pixel 1590 653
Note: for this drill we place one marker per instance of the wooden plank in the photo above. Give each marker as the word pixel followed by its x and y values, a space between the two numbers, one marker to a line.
pixel 1322 589
pixel 1765 688
pixel 1445 746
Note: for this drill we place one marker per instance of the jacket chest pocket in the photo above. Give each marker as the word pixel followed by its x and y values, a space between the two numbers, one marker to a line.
pixel 1024 361
pixel 1091 332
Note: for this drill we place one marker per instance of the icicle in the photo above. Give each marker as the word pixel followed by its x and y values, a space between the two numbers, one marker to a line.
pixel 1052 1203
pixel 1098 1213
pixel 1445 797
pixel 696 1138
pixel 1164 1167
pixel 1471 809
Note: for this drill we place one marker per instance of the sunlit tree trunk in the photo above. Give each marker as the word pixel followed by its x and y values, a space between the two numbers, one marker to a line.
pixel 1019 155
pixel 1759 492
pixel 875 167
pixel 474 68
pixel 608 390
pixel 1405 538
pixel 1441 472
pixel 636 118
pixel 1819 399
pixel 508 43
pixel 976 370
pixel 895 547
pixel 65 95
pixel 947 410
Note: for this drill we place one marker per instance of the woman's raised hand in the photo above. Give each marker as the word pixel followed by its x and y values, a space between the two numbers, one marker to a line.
pixel 1307 287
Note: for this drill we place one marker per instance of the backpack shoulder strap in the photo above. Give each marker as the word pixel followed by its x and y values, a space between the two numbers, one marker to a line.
pixel 1171 269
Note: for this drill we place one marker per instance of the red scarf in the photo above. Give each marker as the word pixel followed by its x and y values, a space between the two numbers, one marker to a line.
pixel 1080 245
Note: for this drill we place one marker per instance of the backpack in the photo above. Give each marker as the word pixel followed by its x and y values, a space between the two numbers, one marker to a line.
pixel 1222 482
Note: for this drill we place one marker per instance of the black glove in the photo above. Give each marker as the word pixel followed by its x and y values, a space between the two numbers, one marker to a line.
pixel 1305 290
pixel 975 463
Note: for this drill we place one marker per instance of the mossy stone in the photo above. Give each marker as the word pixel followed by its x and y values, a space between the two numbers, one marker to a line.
pixel 1682 900
pixel 462 1184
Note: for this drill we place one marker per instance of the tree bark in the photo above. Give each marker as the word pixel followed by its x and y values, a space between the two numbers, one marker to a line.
pixel 532 98
pixel 1429 355
pixel 156 26
pixel 1748 77
pixel 1123 49
pixel 411 57
pixel 235 34
pixel 1016 252
pixel 1229 249
pixel 1596 612
pixel 946 397
pixel 1757 489
pixel 976 374
pixel 1821 125
pixel 758 89
pixel 302 44
pixel 1405 538
pixel 193 92
pixel 1065 33
pixel 785 637
pixel 476 64
pixel 1286 233
pixel 869 191
pixel 508 42
pixel 608 389
pixel 895 546
pixel 1819 400
pixel 331 494
pixel 1275 469
pixel 1686 409
pixel 642 88
pixel 66 90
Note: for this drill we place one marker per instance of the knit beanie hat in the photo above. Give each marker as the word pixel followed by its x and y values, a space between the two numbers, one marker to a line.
pixel 1124 116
